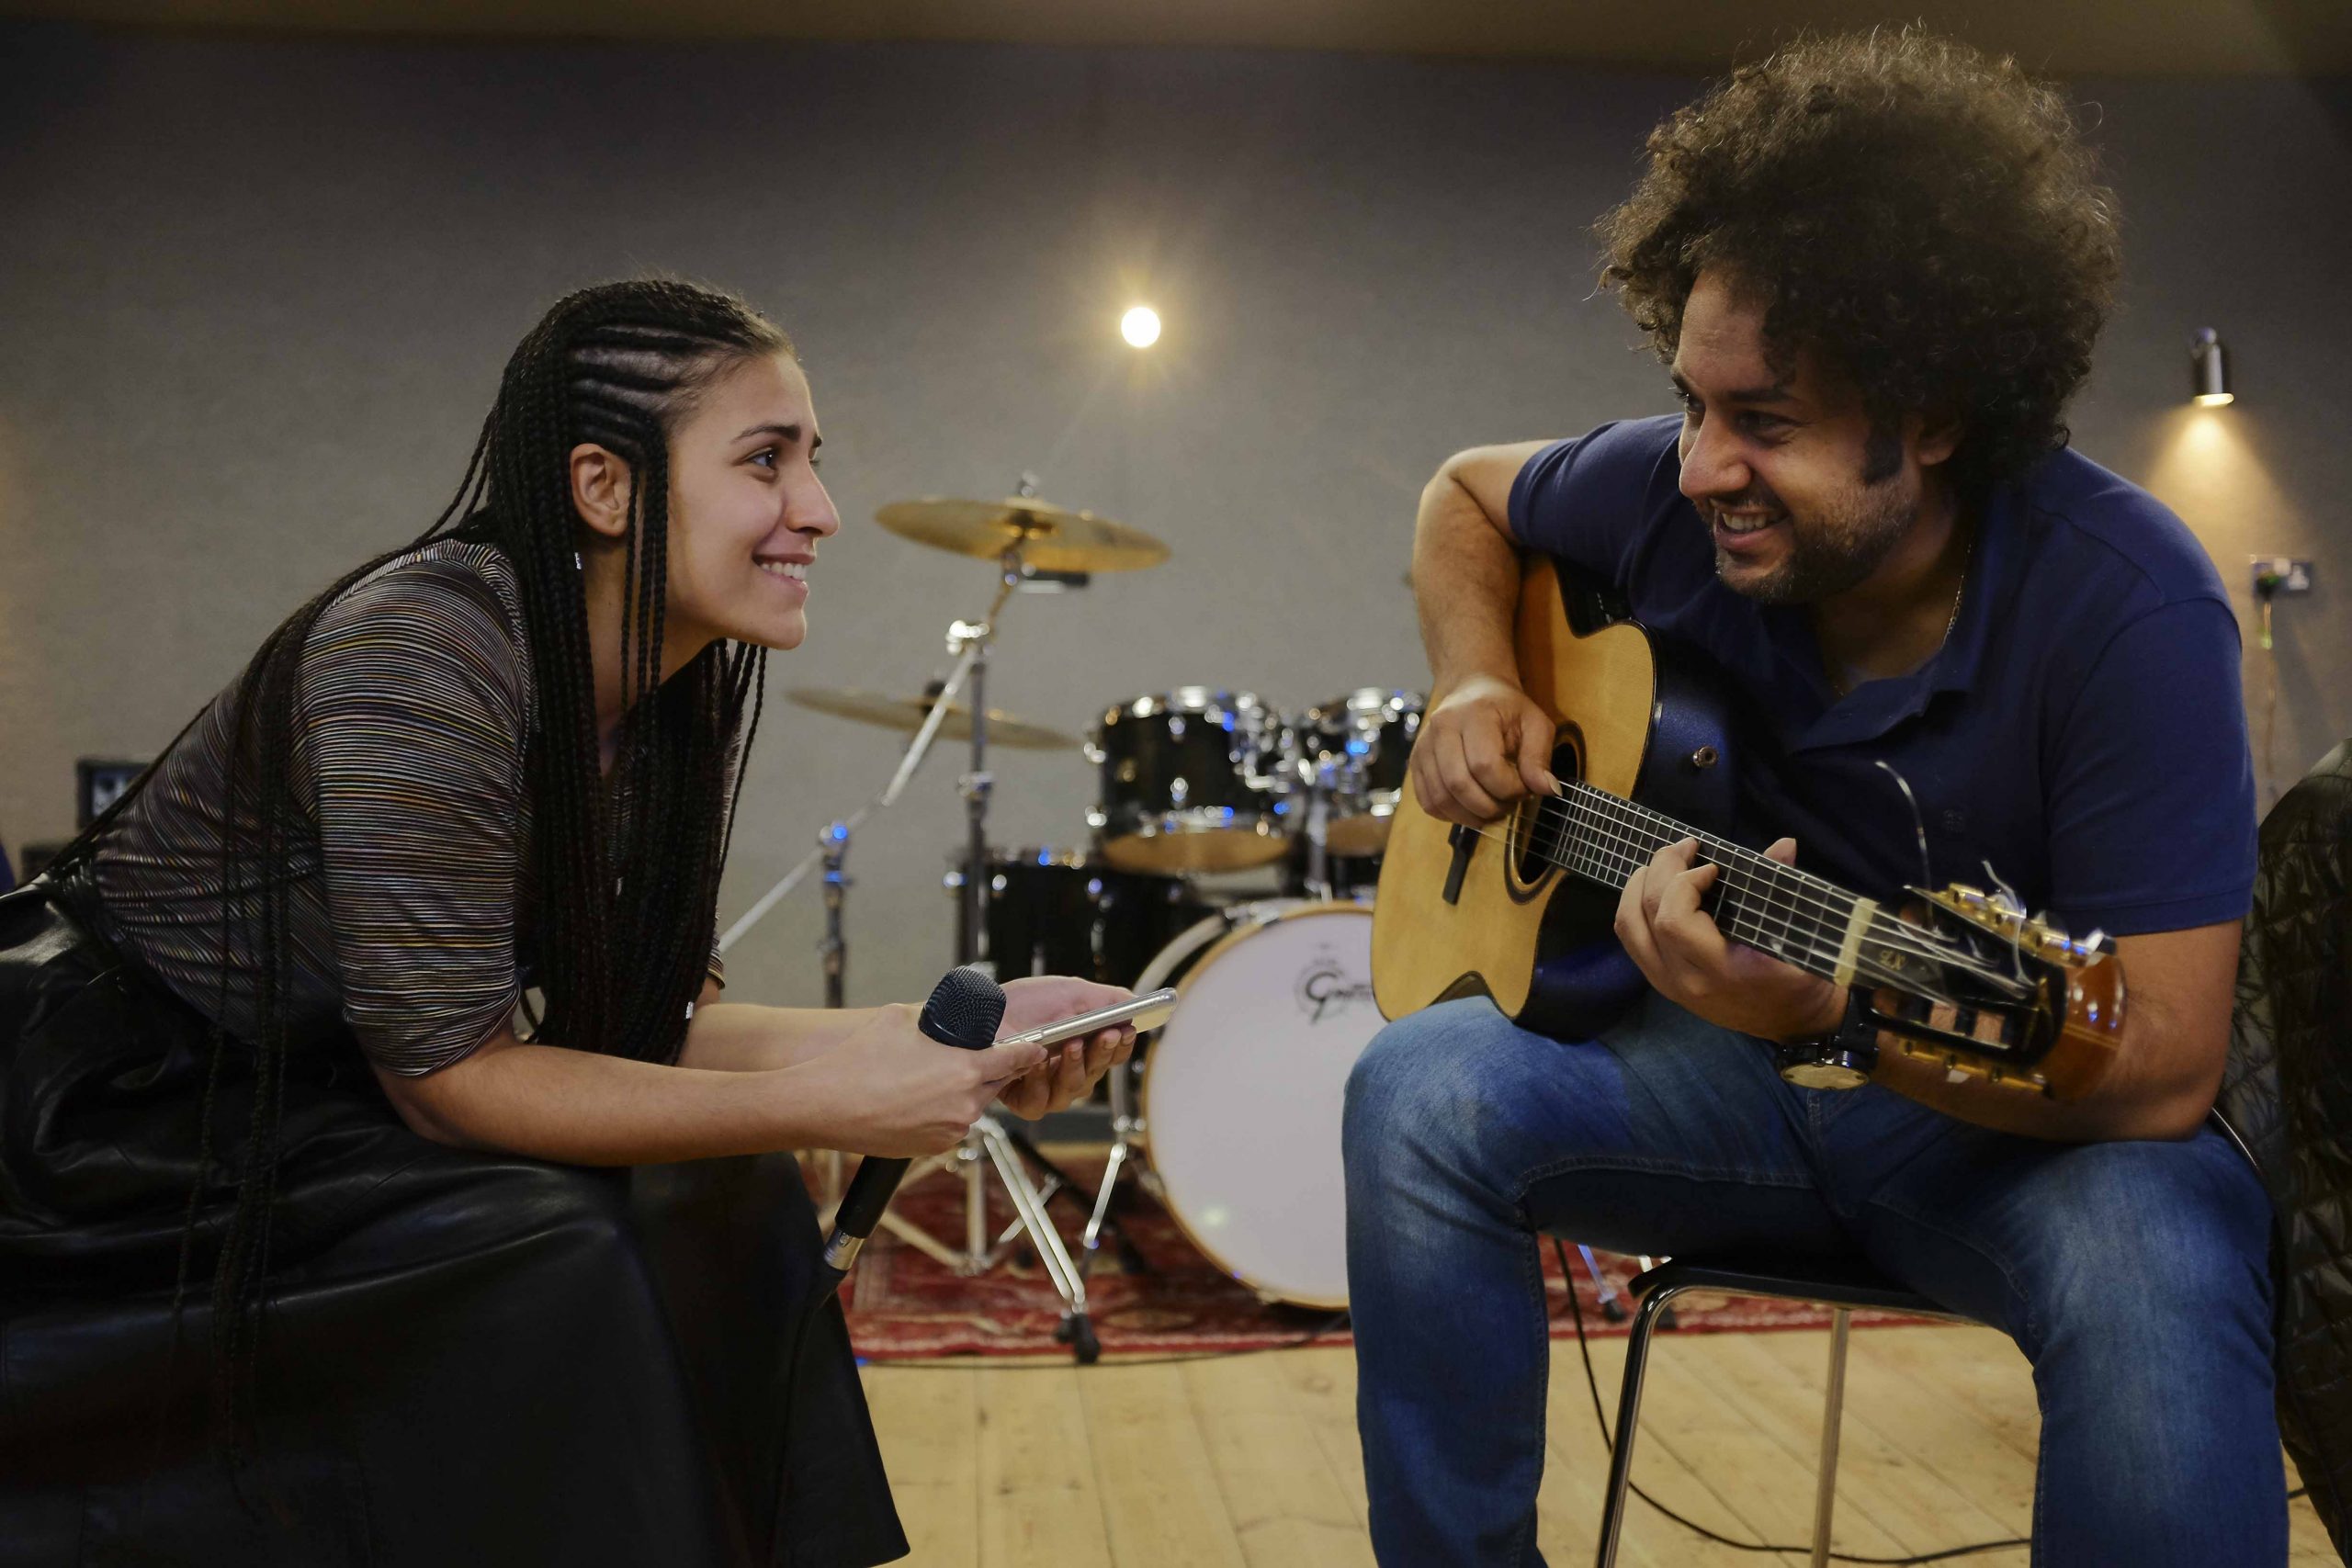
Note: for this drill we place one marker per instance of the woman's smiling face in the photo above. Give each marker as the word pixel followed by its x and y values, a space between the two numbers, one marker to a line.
pixel 746 509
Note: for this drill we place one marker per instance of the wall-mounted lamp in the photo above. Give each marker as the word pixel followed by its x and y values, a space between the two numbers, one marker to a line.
pixel 2209 370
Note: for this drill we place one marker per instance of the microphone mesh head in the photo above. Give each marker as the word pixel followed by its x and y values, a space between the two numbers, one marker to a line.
pixel 963 1010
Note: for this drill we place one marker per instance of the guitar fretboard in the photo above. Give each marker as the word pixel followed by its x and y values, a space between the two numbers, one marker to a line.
pixel 1788 913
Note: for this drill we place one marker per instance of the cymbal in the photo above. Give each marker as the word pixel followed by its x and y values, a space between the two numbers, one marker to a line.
pixel 906 715
pixel 1053 538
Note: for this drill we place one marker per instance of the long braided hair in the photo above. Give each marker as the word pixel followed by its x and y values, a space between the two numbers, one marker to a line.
pixel 624 889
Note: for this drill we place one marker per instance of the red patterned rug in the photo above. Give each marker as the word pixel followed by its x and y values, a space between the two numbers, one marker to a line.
pixel 904 1305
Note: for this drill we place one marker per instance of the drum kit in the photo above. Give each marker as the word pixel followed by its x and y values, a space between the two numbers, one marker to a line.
pixel 1229 1116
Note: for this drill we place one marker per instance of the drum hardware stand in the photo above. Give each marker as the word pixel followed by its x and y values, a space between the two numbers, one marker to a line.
pixel 1334 776
pixel 1613 1304
pixel 834 952
pixel 1320 790
pixel 834 845
pixel 827 846
pixel 1128 1146
pixel 991 1144
pixel 976 785
pixel 833 854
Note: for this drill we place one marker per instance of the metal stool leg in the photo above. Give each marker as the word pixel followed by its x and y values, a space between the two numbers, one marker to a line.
pixel 1645 1262
pixel 1629 1411
pixel 1825 1496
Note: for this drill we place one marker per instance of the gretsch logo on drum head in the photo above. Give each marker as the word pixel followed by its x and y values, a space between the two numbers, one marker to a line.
pixel 1324 989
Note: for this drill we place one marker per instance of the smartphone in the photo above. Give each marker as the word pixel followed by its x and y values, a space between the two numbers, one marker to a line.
pixel 1147 1011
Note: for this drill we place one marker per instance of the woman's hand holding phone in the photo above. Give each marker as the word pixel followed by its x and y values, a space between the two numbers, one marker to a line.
pixel 1069 1071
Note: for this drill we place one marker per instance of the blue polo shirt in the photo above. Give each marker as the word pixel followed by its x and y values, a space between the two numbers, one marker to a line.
pixel 2082 728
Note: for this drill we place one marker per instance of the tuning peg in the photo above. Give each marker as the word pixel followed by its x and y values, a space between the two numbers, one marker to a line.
pixel 2082 950
pixel 2052 939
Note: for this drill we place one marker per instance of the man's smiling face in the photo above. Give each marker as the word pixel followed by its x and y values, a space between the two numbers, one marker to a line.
pixel 1803 498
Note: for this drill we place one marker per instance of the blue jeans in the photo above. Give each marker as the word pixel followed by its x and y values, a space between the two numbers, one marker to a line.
pixel 2133 1275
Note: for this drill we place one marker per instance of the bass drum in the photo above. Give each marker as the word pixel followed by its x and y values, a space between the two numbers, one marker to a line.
pixel 1241 1090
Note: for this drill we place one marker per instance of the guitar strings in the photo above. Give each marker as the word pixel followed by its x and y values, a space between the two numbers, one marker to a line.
pixel 1744 870
pixel 1587 805
pixel 1608 842
pixel 1598 847
pixel 1886 930
pixel 1747 872
pixel 1590 805
pixel 1879 973
pixel 1743 876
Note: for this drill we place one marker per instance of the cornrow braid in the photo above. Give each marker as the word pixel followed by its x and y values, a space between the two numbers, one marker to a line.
pixel 623 893
pixel 626 897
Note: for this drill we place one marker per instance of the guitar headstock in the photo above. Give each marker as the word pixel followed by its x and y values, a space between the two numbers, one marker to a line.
pixel 2001 916
pixel 2000 995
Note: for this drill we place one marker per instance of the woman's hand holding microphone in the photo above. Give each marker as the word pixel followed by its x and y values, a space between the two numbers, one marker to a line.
pixel 906 1094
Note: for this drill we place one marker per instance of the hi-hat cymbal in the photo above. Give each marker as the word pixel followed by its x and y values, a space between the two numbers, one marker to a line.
pixel 906 715
pixel 1052 538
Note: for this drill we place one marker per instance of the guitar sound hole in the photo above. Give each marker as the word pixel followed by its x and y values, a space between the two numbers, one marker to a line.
pixel 1538 837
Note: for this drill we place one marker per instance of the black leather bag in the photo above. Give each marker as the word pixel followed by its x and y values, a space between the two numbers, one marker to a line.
pixel 464 1358
pixel 2288 1093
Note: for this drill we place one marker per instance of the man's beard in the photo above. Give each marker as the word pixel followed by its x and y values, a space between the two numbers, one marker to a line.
pixel 1831 553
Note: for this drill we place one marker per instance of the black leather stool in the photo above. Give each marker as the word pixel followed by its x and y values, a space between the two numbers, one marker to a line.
pixel 1842 1284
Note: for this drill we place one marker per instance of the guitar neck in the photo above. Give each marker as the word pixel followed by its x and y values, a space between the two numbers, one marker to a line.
pixel 1792 915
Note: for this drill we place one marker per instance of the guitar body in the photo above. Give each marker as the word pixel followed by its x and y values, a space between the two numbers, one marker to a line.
pixel 1636 717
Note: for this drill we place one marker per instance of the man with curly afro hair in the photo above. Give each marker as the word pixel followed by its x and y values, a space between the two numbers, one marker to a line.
pixel 1874 266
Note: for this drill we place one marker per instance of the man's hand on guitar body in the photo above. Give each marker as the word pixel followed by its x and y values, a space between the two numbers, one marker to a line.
pixel 1677 944
pixel 1483 746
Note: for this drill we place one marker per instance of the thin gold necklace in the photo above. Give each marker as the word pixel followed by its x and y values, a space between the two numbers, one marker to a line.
pixel 1843 687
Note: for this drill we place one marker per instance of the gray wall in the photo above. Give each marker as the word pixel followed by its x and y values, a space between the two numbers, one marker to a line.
pixel 253 297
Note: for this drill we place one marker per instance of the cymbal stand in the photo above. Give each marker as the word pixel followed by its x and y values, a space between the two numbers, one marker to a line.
pixel 834 952
pixel 828 844
pixel 833 854
pixel 834 845
pixel 991 1144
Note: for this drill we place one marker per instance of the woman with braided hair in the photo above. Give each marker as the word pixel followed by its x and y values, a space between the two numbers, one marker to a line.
pixel 356 1004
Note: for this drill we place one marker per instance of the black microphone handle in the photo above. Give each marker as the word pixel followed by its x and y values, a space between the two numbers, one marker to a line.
pixel 964 1010
pixel 869 1194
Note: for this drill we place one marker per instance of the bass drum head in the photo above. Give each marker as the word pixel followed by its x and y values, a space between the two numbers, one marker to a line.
pixel 1241 1098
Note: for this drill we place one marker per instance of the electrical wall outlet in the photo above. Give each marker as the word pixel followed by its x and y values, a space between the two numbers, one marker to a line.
pixel 2274 575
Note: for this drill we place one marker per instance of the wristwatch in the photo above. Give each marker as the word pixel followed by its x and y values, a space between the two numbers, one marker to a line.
pixel 1843 1058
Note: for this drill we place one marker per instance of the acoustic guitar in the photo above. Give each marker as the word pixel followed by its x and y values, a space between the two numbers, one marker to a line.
pixel 1522 909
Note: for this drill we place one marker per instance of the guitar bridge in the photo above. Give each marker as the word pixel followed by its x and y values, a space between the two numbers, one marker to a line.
pixel 1465 840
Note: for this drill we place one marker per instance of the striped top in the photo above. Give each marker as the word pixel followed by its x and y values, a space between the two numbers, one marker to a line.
pixel 410 867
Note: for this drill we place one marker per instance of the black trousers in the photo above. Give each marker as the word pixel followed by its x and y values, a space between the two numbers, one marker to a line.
pixel 464 1358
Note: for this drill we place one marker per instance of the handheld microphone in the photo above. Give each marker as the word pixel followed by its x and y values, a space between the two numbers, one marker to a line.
pixel 964 1010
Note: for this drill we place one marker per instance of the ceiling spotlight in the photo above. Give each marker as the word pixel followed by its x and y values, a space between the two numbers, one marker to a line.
pixel 1140 326
pixel 2209 370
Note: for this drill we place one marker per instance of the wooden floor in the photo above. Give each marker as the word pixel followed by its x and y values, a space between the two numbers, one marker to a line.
pixel 1252 1460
